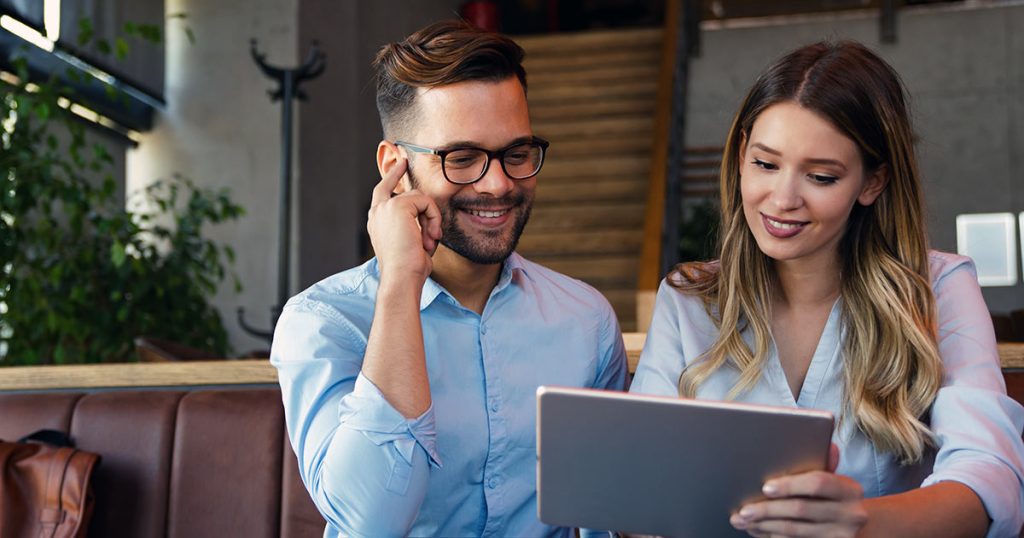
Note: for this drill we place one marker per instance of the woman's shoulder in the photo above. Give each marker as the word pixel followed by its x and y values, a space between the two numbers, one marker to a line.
pixel 942 264
pixel 690 288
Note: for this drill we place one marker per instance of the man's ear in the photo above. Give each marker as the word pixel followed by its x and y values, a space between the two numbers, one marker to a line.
pixel 874 185
pixel 388 156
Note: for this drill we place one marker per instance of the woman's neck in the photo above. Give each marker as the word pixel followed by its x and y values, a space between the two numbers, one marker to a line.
pixel 808 284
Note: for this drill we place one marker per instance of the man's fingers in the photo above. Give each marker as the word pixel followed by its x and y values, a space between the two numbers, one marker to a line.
pixel 386 186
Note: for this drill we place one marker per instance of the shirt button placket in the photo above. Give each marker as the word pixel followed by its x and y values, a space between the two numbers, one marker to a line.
pixel 492 465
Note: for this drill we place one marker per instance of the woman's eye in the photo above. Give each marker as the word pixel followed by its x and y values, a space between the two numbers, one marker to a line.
pixel 821 178
pixel 764 165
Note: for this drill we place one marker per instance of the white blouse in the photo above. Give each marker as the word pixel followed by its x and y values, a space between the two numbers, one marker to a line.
pixel 977 425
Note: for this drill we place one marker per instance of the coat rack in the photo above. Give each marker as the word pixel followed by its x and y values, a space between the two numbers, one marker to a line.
pixel 289 82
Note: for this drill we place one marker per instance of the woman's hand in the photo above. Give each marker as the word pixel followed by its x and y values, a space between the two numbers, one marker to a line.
pixel 816 503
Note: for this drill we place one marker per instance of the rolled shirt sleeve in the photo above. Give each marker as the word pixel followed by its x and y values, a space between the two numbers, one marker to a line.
pixel 978 427
pixel 365 465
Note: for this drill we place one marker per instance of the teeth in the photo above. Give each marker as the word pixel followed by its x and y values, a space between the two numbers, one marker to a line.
pixel 488 214
pixel 783 225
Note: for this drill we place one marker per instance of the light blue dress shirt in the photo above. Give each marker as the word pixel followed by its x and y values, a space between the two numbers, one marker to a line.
pixel 467 466
pixel 978 427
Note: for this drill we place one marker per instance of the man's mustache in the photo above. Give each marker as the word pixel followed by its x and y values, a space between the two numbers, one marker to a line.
pixel 511 200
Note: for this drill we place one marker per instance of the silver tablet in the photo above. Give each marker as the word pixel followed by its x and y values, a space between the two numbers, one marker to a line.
pixel 666 466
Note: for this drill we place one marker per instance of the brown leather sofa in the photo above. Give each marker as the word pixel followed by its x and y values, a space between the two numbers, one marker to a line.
pixel 178 462
pixel 183 460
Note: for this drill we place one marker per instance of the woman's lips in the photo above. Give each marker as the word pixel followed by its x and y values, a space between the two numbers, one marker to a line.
pixel 782 228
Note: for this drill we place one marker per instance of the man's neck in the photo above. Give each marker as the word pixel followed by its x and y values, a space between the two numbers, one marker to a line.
pixel 470 283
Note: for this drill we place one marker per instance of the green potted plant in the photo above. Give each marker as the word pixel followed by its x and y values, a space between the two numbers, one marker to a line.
pixel 82 273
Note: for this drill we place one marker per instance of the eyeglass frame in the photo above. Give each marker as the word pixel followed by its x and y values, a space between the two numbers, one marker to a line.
pixel 491 155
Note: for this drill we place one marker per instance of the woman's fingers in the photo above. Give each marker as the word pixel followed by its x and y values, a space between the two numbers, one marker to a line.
pixel 814 484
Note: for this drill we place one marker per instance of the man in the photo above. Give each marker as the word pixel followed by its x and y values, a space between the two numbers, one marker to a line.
pixel 409 382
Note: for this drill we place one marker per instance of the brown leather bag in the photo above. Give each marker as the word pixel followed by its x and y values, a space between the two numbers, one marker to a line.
pixel 44 488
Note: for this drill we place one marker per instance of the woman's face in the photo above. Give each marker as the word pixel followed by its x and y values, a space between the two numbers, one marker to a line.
pixel 799 179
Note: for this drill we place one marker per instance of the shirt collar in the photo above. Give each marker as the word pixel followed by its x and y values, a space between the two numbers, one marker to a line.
pixel 512 266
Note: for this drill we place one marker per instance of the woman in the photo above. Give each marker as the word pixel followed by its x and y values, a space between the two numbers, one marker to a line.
pixel 826 296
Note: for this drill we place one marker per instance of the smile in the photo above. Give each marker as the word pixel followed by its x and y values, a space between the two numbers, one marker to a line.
pixel 782 228
pixel 491 214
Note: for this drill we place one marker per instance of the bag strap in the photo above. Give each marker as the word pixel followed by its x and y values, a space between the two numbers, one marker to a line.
pixel 52 513
pixel 50 437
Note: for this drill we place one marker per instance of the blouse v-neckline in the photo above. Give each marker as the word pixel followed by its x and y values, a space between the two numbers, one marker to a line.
pixel 825 353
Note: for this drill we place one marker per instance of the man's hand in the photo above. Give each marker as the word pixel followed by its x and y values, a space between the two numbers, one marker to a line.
pixel 404 228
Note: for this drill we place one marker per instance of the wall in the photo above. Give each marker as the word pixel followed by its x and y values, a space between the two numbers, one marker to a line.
pixel 965 73
pixel 339 126
pixel 221 130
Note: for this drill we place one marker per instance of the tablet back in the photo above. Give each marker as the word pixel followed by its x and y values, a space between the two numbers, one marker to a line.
pixel 664 466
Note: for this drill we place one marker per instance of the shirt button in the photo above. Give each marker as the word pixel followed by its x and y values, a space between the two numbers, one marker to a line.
pixel 483 329
pixel 492 483
pixel 494 406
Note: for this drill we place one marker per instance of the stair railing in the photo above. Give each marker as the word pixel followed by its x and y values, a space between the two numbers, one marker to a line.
pixel 661 220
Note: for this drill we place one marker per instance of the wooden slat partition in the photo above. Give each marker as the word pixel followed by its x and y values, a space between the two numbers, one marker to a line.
pixel 244 372
pixel 649 272
pixel 650 257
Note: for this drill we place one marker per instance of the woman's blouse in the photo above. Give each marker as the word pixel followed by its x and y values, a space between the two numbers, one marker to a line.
pixel 977 426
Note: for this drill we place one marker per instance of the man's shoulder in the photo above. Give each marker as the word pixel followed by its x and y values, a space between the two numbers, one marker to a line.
pixel 567 290
pixel 352 287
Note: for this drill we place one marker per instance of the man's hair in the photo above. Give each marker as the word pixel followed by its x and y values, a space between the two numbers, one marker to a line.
pixel 443 53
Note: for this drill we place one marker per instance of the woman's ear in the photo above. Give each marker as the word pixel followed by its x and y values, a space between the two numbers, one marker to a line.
pixel 388 156
pixel 874 185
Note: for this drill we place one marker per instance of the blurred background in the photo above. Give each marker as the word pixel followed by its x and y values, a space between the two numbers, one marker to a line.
pixel 635 96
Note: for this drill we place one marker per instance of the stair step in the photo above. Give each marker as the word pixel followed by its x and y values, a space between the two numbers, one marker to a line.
pixel 616 271
pixel 557 93
pixel 597 166
pixel 543 64
pixel 617 126
pixel 592 216
pixel 543 112
pixel 598 75
pixel 581 243
pixel 593 95
pixel 638 144
pixel 561 44
pixel 574 192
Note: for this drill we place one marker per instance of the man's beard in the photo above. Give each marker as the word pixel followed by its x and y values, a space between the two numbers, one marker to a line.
pixel 485 247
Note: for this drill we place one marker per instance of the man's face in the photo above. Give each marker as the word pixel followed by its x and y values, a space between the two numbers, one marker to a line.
pixel 481 222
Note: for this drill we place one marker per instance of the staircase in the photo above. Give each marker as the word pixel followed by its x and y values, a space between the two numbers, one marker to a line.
pixel 593 96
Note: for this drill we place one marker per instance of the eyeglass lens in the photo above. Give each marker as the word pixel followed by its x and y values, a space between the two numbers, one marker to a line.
pixel 467 165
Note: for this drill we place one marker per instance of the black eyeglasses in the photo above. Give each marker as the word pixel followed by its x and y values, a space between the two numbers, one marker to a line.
pixel 463 166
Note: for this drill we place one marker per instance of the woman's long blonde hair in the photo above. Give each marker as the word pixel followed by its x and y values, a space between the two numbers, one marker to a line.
pixel 891 360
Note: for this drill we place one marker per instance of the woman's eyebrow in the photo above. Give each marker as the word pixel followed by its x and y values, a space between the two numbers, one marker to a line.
pixel 767 149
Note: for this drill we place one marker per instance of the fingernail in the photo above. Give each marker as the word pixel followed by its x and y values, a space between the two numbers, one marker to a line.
pixel 746 512
pixel 770 488
pixel 737 522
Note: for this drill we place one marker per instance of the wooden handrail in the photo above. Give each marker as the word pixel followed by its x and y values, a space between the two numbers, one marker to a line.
pixel 139 374
pixel 244 372
pixel 650 257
